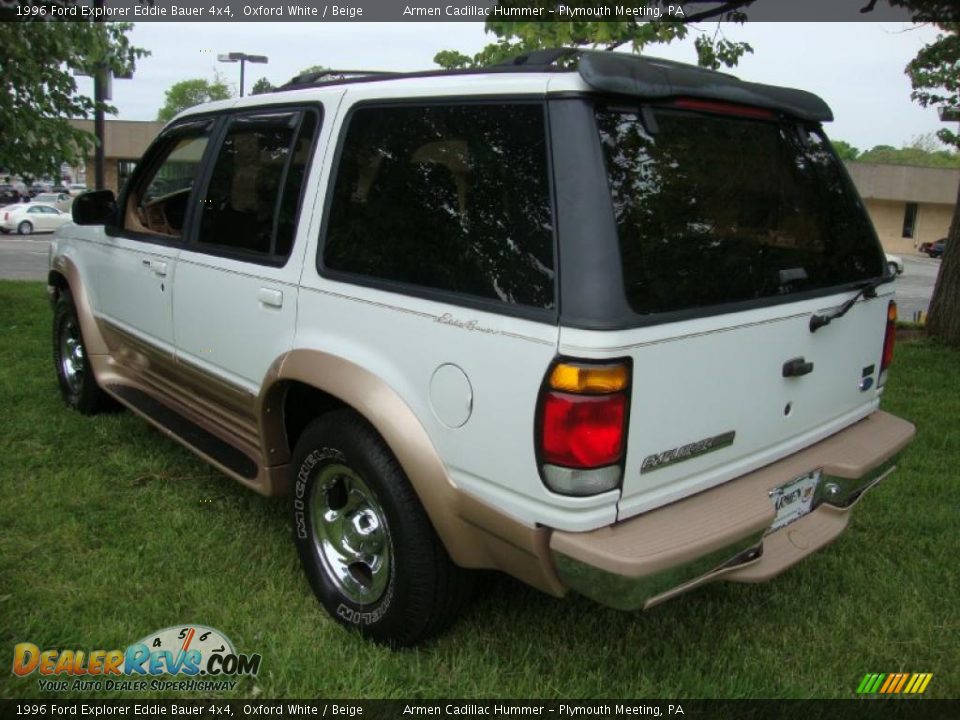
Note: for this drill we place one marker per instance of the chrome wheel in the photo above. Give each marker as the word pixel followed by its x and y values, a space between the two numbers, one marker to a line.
pixel 350 534
pixel 72 358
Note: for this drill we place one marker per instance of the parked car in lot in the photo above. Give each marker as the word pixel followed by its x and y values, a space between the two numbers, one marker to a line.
pixel 935 250
pixel 594 325
pixel 894 264
pixel 76 188
pixel 61 201
pixel 8 195
pixel 26 218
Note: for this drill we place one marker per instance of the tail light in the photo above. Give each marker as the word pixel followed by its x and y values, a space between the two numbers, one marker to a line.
pixel 889 338
pixel 724 108
pixel 582 427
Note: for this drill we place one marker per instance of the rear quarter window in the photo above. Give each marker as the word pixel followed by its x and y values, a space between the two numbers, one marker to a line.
pixel 712 210
pixel 445 197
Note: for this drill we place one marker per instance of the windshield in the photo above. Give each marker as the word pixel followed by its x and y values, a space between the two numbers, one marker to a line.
pixel 713 209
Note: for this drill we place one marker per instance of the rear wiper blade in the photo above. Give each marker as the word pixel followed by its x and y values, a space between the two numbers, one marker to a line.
pixel 867 289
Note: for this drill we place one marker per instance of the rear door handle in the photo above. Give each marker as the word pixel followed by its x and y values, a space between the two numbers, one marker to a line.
pixel 273 298
pixel 797 367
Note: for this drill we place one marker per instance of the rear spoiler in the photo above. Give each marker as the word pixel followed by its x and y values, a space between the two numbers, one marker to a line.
pixel 654 78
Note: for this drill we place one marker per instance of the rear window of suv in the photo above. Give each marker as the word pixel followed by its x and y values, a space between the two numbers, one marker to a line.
pixel 714 209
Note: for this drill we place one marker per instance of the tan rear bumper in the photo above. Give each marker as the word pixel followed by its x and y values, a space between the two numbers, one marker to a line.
pixel 721 533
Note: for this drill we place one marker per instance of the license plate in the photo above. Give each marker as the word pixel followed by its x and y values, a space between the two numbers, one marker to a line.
pixel 793 500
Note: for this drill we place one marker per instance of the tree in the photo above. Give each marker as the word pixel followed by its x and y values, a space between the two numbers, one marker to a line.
pixel 188 93
pixel 261 86
pixel 923 151
pixel 516 38
pixel 935 76
pixel 40 95
pixel 844 150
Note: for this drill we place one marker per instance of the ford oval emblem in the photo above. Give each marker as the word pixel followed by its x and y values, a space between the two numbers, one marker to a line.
pixel 866 384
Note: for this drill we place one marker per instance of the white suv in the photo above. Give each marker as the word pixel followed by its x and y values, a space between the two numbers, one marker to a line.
pixel 620 329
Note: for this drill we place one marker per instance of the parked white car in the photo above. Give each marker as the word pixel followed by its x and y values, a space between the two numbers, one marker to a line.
pixel 894 264
pixel 569 323
pixel 61 201
pixel 27 218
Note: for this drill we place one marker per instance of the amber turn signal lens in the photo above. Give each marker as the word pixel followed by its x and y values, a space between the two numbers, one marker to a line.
pixel 589 378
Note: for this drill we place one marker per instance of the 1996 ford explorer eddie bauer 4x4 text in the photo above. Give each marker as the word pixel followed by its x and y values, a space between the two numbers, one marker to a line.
pixel 619 326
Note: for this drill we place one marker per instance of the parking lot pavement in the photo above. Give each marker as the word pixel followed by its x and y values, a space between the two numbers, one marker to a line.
pixel 915 286
pixel 23 258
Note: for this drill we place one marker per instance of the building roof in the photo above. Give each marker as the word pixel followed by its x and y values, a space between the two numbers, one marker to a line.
pixel 905 183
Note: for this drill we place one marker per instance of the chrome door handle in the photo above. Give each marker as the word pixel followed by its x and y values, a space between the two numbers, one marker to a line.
pixel 157 266
pixel 273 298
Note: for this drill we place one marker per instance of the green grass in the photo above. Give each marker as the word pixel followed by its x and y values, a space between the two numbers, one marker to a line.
pixel 109 531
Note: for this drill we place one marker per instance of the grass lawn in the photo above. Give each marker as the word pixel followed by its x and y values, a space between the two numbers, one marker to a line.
pixel 109 531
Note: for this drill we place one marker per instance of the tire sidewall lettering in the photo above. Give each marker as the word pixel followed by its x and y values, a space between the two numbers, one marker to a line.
pixel 310 462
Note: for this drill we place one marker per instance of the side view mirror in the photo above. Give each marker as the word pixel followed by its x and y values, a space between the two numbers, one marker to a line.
pixel 98 207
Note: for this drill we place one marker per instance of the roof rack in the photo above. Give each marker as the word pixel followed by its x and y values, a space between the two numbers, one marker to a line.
pixel 333 75
pixel 540 58
pixel 535 61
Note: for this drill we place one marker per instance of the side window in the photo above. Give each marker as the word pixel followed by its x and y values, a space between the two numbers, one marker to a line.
pixel 158 202
pixel 446 197
pixel 253 196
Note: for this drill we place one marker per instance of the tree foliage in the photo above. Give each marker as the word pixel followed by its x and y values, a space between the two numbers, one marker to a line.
pixel 844 150
pixel 38 61
pixel 922 151
pixel 261 86
pixel 517 38
pixel 187 93
pixel 935 76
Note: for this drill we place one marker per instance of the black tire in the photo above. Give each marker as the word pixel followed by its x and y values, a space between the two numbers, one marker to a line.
pixel 25 228
pixel 78 386
pixel 342 469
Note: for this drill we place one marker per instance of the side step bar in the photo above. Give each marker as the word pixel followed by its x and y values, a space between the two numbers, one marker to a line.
pixel 188 431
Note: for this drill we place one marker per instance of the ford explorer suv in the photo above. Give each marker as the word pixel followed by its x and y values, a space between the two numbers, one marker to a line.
pixel 612 325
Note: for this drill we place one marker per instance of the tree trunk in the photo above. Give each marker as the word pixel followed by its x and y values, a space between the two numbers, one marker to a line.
pixel 944 319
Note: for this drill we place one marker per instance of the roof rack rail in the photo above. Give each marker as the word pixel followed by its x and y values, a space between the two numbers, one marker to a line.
pixel 537 58
pixel 333 75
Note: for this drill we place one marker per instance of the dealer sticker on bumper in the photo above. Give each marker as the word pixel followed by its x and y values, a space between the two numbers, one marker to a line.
pixel 794 499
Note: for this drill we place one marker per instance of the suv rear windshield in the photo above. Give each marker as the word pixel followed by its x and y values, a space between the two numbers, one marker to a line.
pixel 714 209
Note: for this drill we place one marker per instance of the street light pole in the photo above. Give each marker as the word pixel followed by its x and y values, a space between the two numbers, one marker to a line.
pixel 99 122
pixel 242 58
pixel 99 125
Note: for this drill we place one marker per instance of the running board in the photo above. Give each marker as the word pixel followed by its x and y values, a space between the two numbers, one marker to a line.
pixel 189 432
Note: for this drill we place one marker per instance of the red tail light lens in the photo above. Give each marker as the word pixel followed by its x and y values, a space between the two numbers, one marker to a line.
pixel 583 431
pixel 889 337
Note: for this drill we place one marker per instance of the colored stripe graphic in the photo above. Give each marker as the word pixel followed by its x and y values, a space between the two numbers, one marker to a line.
pixel 894 683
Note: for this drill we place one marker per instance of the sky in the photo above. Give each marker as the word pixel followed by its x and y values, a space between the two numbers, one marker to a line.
pixel 856 67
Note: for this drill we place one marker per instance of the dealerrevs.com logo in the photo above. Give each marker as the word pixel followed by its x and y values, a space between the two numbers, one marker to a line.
pixel 203 654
